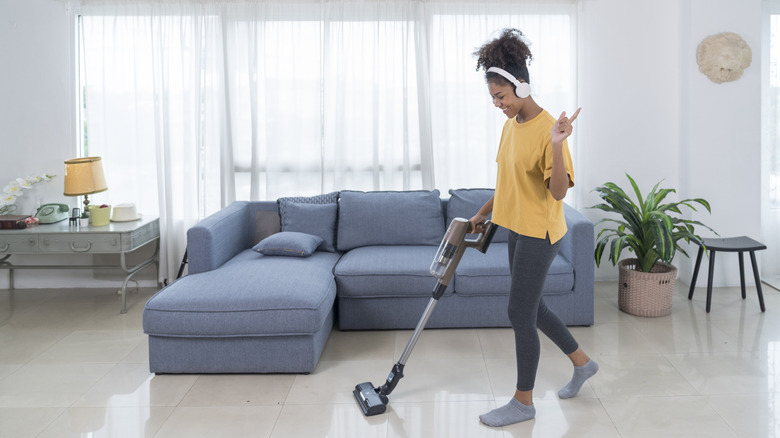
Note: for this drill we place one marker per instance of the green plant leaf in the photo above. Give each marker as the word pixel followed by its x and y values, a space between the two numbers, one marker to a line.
pixel 663 218
pixel 691 223
pixel 649 204
pixel 673 207
pixel 661 195
pixel 637 192
pixel 663 240
pixel 600 245
pixel 647 262
pixel 616 248
pixel 702 202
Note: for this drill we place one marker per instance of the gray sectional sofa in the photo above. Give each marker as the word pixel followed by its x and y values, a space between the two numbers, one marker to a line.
pixel 268 280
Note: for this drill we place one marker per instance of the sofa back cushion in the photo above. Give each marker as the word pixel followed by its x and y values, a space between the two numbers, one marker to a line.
pixel 315 219
pixel 389 218
pixel 466 203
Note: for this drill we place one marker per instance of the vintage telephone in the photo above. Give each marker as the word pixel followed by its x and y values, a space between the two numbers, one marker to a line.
pixel 51 213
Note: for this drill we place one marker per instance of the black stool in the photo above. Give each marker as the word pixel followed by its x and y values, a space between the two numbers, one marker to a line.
pixel 730 244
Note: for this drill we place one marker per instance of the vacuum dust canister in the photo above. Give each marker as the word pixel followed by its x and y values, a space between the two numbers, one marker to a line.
pixel 453 238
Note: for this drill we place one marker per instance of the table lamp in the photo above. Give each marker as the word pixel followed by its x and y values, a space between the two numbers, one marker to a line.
pixel 84 176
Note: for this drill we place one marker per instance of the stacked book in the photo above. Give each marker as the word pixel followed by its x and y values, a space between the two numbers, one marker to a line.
pixel 12 222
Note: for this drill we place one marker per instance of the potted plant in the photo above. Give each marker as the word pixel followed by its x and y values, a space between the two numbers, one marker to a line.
pixel 84 219
pixel 650 230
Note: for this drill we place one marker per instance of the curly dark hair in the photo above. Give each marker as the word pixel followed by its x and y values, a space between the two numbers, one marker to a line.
pixel 509 52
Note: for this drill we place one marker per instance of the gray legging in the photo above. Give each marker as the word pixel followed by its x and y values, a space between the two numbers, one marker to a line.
pixel 529 260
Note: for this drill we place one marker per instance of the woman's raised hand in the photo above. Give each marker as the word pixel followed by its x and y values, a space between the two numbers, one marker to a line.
pixel 562 128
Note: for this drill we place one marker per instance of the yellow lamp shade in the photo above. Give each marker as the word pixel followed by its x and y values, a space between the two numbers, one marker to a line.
pixel 84 176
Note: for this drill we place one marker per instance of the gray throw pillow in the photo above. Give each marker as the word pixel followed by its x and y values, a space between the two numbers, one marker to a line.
pixel 389 218
pixel 315 219
pixel 288 243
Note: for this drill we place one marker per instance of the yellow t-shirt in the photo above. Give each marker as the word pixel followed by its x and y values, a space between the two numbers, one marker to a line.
pixel 522 201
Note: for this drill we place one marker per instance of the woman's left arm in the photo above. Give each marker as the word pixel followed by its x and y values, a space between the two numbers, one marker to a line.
pixel 559 178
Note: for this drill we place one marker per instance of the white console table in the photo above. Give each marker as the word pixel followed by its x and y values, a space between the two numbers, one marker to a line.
pixel 63 239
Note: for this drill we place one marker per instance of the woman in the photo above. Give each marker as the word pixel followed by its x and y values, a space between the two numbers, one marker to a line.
pixel 534 174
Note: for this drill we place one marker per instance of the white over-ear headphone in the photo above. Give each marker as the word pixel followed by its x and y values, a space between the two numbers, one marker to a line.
pixel 522 89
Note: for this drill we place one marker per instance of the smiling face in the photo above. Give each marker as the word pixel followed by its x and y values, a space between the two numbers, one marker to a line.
pixel 505 99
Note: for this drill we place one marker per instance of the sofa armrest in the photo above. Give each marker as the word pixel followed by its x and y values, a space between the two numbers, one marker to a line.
pixel 218 238
pixel 577 247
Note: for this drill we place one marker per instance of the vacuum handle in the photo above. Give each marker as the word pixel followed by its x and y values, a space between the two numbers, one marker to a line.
pixel 487 236
pixel 482 242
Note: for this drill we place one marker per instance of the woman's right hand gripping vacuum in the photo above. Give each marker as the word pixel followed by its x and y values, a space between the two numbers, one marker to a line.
pixel 477 224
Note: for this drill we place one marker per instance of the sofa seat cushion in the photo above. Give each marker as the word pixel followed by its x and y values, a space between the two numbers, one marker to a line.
pixel 488 274
pixel 386 271
pixel 250 295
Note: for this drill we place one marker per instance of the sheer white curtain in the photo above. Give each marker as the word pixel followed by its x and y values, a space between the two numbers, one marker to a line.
pixel 142 69
pixel 372 101
pixel 770 171
pixel 273 57
pixel 323 96
pixel 194 104
pixel 466 125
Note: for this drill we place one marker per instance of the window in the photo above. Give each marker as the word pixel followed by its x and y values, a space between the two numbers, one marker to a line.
pixel 295 99
pixel 194 105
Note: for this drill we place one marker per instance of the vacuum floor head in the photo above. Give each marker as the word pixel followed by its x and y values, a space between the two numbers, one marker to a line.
pixel 369 400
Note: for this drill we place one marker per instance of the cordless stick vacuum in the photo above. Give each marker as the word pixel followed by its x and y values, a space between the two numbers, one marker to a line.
pixel 373 401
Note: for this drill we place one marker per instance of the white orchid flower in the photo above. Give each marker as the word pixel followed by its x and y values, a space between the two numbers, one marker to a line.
pixel 16 188
pixel 8 200
pixel 13 189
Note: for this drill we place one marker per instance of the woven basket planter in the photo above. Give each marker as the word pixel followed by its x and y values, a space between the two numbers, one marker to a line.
pixel 646 293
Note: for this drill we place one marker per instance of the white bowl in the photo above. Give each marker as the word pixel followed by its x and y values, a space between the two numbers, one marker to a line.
pixel 125 213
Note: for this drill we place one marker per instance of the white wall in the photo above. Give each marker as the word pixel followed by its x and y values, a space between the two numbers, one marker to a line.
pixel 35 106
pixel 630 87
pixel 646 108
pixel 721 154
pixel 649 112
pixel 35 101
pixel 36 118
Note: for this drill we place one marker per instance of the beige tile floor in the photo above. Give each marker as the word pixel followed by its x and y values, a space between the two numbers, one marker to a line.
pixel 72 366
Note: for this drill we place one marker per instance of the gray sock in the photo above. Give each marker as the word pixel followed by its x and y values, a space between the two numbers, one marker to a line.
pixel 581 374
pixel 512 412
